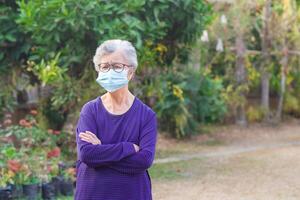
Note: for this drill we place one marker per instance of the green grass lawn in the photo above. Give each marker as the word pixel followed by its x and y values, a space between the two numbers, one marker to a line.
pixel 58 198
pixel 177 170
pixel 65 198
pixel 187 147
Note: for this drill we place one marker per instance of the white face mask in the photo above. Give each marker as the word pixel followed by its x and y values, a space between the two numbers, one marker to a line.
pixel 111 80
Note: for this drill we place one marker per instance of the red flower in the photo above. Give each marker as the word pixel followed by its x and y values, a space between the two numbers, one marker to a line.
pixel 22 122
pixel 56 132
pixel 49 168
pixel 33 112
pixel 14 165
pixel 54 152
pixel 25 123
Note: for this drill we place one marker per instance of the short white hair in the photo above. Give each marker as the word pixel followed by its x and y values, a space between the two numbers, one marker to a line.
pixel 110 46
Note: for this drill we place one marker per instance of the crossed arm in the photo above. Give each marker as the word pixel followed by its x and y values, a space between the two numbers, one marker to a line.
pixel 121 156
pixel 143 159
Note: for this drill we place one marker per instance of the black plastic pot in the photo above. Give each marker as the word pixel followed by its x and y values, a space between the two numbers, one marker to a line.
pixel 5 193
pixel 31 191
pixel 66 187
pixel 57 182
pixel 48 191
pixel 17 191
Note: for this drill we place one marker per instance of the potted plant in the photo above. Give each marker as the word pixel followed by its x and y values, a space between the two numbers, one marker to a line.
pixel 5 178
pixel 57 180
pixel 16 185
pixel 10 161
pixel 67 184
pixel 48 190
pixel 50 187
pixel 33 160
pixel 31 185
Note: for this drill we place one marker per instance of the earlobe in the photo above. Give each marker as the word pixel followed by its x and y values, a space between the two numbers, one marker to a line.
pixel 130 75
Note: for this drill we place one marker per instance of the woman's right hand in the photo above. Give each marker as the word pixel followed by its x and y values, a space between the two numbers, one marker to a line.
pixel 136 147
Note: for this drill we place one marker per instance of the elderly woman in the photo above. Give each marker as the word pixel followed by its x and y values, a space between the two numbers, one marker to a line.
pixel 116 133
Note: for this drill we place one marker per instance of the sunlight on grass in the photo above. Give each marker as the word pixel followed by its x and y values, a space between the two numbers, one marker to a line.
pixel 187 147
pixel 65 198
pixel 166 153
pixel 58 198
pixel 175 170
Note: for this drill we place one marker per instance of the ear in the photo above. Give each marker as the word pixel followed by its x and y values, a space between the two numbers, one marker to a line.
pixel 130 74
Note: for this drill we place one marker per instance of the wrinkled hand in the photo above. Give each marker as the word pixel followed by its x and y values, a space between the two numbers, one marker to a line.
pixel 89 137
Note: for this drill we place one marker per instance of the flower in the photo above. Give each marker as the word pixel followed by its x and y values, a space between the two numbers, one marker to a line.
pixel 25 123
pixel 33 112
pixel 7 122
pixel 56 132
pixel 54 153
pixel 71 171
pixel 22 122
pixel 14 165
pixel 52 169
pixel 49 168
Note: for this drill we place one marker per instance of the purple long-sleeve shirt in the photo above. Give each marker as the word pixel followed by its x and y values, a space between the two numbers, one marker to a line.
pixel 113 170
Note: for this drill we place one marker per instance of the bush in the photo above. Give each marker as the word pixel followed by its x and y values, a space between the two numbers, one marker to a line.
pixel 172 106
pixel 207 103
pixel 291 105
pixel 187 97
pixel 254 114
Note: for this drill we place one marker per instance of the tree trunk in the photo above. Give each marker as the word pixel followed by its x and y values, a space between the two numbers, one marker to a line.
pixel 240 76
pixel 265 74
pixel 265 79
pixel 284 65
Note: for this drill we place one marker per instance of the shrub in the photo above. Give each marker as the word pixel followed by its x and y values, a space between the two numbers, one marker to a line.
pixel 207 103
pixel 291 105
pixel 187 97
pixel 254 114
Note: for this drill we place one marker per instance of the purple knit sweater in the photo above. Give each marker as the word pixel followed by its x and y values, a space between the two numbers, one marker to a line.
pixel 113 170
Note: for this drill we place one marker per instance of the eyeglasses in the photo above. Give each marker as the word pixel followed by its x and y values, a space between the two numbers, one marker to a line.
pixel 117 67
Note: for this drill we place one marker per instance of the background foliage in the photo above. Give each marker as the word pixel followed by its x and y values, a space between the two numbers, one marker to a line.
pixel 47 48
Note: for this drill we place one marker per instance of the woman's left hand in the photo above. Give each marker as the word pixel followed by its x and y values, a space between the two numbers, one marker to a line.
pixel 89 137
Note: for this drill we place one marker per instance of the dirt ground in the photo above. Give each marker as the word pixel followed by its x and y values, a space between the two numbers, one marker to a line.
pixel 269 173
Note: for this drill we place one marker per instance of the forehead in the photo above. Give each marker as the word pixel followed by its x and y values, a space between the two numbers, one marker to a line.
pixel 115 57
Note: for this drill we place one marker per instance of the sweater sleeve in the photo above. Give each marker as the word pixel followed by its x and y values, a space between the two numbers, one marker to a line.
pixel 101 154
pixel 143 159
